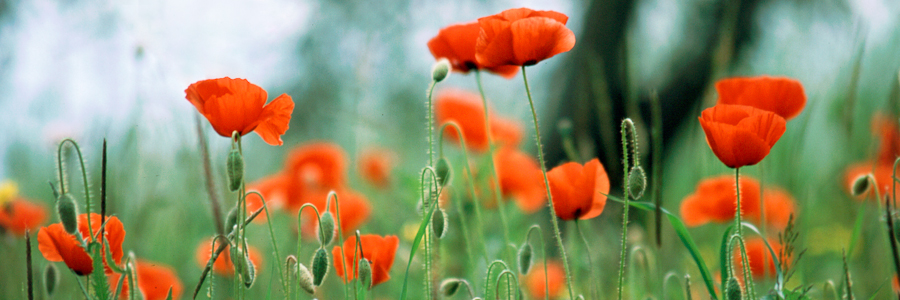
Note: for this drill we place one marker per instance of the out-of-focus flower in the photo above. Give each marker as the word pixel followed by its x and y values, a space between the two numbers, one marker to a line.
pixel 781 95
pixel 58 245
pixel 715 201
pixel 882 168
pixel 380 252
pixel 19 215
pixel 375 166
pixel 456 43
pixel 467 111
pixel 521 178
pixel 223 265
pixel 355 210
pixel 522 37
pixel 556 278
pixel 579 191
pixel 761 262
pixel 741 135
pixel 8 191
pixel 237 105
pixel 154 281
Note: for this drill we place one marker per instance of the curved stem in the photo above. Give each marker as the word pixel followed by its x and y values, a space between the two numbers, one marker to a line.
pixel 471 180
pixel 62 184
pixel 543 254
pixel 487 276
pixel 508 274
pixel 540 150
pixel 272 235
pixel 340 230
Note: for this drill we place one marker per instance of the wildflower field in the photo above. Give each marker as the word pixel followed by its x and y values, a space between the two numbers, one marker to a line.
pixel 513 150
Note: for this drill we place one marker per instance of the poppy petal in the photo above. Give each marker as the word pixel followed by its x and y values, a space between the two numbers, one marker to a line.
pixel 494 46
pixel 274 120
pixel 599 190
pixel 781 95
pixel 535 39
pixel 58 245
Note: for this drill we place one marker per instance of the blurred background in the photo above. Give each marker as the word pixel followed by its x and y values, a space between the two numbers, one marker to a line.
pixel 358 72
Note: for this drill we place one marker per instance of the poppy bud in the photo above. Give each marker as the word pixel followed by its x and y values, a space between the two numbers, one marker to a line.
pixel 326 226
pixel 244 266
pixel 439 223
pixel 231 219
pixel 440 70
pixel 306 279
pixel 525 258
pixel 443 171
pixel 449 286
pixel 732 289
pixel 365 273
pixel 580 297
pixel 319 266
pixel 234 169
pixel 861 184
pixel 51 279
pixel 68 212
pixel 637 182
pixel 565 127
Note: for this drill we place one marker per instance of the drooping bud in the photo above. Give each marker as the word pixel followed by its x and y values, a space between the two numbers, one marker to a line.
pixel 365 273
pixel 443 171
pixel 525 258
pixel 234 168
pixel 68 212
pixel 449 287
pixel 440 70
pixel 732 289
pixel 306 279
pixel 326 226
pixel 244 266
pixel 861 185
pixel 319 266
pixel 51 279
pixel 231 220
pixel 439 223
pixel 637 182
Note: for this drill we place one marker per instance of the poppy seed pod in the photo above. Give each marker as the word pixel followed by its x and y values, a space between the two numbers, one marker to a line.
pixel 319 266
pixel 439 223
pixel 305 279
pixel 68 212
pixel 365 273
pixel 326 226
pixel 440 70
pixel 861 184
pixel 732 289
pixel 235 169
pixel 525 258
pixel 449 286
pixel 637 182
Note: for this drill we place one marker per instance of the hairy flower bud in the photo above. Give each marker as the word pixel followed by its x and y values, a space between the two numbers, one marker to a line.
pixel 449 287
pixel 861 184
pixel 51 279
pixel 444 171
pixel 440 70
pixel 365 273
pixel 637 182
pixel 306 279
pixel 439 223
pixel 234 168
pixel 525 258
pixel 732 289
pixel 68 212
pixel 319 266
pixel 326 227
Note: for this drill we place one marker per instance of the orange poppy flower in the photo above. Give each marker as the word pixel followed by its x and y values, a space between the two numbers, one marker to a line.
pixel 888 132
pixel 456 43
pixel 781 95
pixel 375 166
pixel 237 105
pixel 223 265
pixel 20 215
pixel 378 250
pixel 741 135
pixel 355 211
pixel 579 191
pixel 521 178
pixel 466 109
pixel 154 281
pixel 58 245
pixel 556 278
pixel 522 37
pixel 715 201
pixel 757 253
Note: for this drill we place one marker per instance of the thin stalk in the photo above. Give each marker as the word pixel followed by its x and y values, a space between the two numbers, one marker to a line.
pixel 471 180
pixel 540 151
pixel 207 173
pixel 429 272
pixel 738 228
pixel 656 176
pixel 29 273
pixel 592 283
pixel 87 192
pixel 627 125
pixel 543 254
pixel 272 235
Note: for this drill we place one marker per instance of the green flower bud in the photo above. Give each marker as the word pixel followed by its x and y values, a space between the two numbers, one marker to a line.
pixel 861 185
pixel 244 266
pixel 525 258
pixel 234 168
pixel 637 182
pixel 306 279
pixel 440 70
pixel 732 289
pixel 319 266
pixel 449 286
pixel 231 220
pixel 439 223
pixel 68 212
pixel 365 273
pixel 51 279
pixel 326 225
pixel 443 171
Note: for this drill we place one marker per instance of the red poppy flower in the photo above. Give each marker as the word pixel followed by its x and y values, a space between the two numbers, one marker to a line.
pixel 885 129
pixel 456 43
pixel 20 215
pixel 154 281
pixel 522 37
pixel 888 132
pixel 758 256
pixel 375 166
pixel 741 135
pixel 779 206
pixel 882 173
pixel 556 278
pixel 579 192
pixel 223 265
pixel 237 105
pixel 781 95
pixel 355 210
pixel 715 201
pixel 466 109
pixel 58 245
pixel 378 250
pixel 521 178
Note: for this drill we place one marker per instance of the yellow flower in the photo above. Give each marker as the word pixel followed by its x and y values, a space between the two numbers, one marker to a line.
pixel 8 191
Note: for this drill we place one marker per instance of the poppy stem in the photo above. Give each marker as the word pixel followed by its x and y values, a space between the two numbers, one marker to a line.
pixel 592 284
pixel 29 272
pixel 628 138
pixel 210 183
pixel 540 151
pixel 737 211
pixel 543 254
pixel 62 183
pixel 471 181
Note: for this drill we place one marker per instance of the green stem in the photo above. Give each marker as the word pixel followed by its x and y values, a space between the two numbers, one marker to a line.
pixel 471 180
pixel 540 151
pixel 62 183
pixel 737 211
pixel 626 190
pixel 543 254
pixel 429 273
pixel 592 283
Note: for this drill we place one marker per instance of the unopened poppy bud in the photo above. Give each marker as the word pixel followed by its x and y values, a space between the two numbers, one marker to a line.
pixel 68 212
pixel 637 182
pixel 525 258
pixel 565 127
pixel 51 279
pixel 439 223
pixel 580 297
pixel 449 286
pixel 732 289
pixel 326 226
pixel 365 273
pixel 319 266
pixel 234 169
pixel 306 279
pixel 232 219
pixel 861 185
pixel 443 171
pixel 248 270
pixel 440 70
